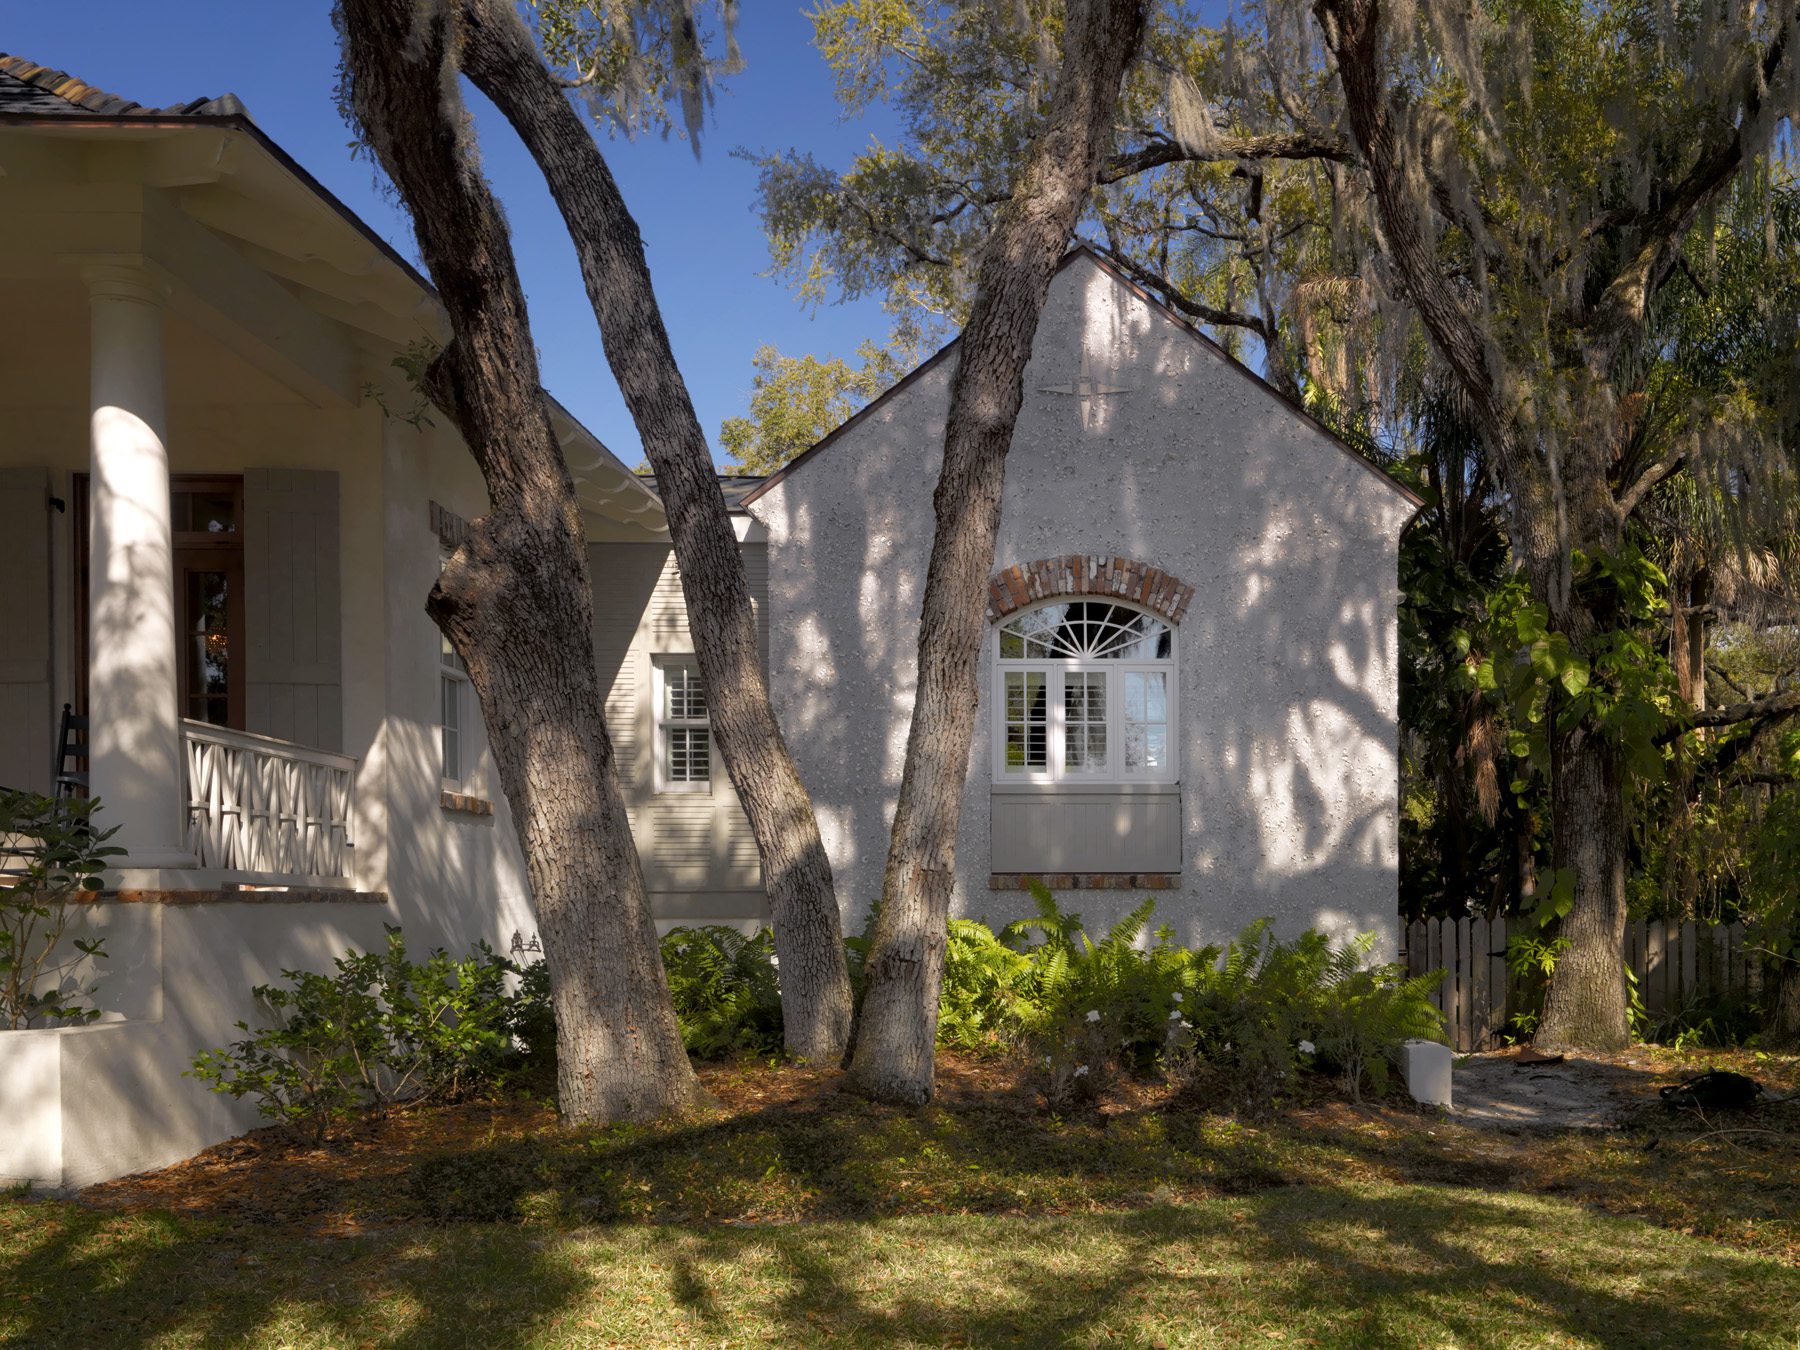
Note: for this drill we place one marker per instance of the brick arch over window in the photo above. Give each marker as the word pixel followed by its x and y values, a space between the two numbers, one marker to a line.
pixel 1088 574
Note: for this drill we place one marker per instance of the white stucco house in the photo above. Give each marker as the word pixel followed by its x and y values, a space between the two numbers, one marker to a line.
pixel 221 509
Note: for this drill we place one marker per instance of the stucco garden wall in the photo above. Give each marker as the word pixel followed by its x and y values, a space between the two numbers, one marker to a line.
pixel 84 1104
pixel 1287 653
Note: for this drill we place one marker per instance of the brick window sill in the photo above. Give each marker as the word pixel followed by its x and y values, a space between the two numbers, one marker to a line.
pixel 463 804
pixel 1087 881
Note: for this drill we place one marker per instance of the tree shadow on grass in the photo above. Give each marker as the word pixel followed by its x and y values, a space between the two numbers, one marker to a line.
pixel 1377 1267
pixel 1340 1267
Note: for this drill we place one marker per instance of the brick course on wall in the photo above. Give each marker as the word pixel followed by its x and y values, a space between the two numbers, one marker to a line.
pixel 1086 881
pixel 1088 574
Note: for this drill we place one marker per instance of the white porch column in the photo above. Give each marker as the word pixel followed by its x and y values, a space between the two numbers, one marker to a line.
pixel 134 738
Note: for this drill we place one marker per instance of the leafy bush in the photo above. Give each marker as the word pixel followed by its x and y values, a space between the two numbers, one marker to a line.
pixel 50 852
pixel 382 1029
pixel 727 997
pixel 1130 988
pixel 1270 1008
pixel 1232 1025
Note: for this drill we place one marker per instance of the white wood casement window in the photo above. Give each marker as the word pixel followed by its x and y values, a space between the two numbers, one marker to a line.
pixel 1085 693
pixel 683 733
pixel 453 702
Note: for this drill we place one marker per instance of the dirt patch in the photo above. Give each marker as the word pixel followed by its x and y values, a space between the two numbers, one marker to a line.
pixel 1495 1090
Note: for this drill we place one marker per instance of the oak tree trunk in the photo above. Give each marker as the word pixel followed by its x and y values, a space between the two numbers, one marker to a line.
pixel 1585 1004
pixel 1781 1028
pixel 897 1026
pixel 503 62
pixel 515 600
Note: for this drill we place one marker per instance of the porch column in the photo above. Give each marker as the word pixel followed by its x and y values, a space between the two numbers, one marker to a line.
pixel 134 737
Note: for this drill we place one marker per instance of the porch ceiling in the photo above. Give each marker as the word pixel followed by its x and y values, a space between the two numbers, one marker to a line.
pixel 280 294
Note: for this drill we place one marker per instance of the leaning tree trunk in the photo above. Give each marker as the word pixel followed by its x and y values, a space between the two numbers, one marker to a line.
pixel 515 600
pixel 897 1027
pixel 503 62
pixel 1584 1004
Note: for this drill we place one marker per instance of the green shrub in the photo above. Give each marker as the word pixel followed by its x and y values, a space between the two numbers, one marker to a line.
pixel 724 986
pixel 1131 988
pixel 382 1029
pixel 51 852
pixel 1232 1025
pixel 1268 1009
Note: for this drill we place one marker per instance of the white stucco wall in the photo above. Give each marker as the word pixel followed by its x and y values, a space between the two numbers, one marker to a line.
pixel 1288 664
pixel 85 1104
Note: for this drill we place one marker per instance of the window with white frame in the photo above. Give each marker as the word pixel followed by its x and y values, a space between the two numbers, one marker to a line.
pixel 453 684
pixel 1086 694
pixel 683 734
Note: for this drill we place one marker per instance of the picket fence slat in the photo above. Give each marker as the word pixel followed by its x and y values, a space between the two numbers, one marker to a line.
pixel 1674 964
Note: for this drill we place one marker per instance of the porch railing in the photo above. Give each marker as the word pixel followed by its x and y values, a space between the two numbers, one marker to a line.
pixel 257 804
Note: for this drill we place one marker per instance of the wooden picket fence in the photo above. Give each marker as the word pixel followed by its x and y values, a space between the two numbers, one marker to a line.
pixel 1674 963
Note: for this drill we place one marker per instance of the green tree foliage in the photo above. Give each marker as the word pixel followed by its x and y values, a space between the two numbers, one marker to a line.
pixel 630 60
pixel 1220 192
pixel 796 400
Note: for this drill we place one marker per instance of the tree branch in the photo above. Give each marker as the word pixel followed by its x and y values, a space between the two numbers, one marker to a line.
pixel 1230 318
pixel 1729 682
pixel 1775 705
pixel 1655 473
pixel 1226 149
pixel 1621 309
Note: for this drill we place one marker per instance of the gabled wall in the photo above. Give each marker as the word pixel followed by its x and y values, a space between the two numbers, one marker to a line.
pixel 1288 659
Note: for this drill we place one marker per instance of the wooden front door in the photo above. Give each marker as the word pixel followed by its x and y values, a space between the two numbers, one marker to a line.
pixel 206 515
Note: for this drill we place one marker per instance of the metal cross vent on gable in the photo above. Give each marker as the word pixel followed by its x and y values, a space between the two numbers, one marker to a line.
pixel 1086 389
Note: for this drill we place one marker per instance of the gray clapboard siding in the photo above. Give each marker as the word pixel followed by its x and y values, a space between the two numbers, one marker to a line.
pixel 698 852
pixel 292 616
pixel 27 729
pixel 623 577
pixel 1103 830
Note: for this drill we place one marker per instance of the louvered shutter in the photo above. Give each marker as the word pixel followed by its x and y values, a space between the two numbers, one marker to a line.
pixel 292 620
pixel 27 727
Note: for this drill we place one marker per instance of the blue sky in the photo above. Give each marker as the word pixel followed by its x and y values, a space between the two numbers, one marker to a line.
pixel 705 245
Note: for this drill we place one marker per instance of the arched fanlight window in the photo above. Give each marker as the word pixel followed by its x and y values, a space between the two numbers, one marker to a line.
pixel 1086 691
pixel 1086 629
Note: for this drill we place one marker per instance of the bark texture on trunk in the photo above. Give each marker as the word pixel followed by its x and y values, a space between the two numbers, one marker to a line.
pixel 515 600
pixel 1585 1005
pixel 1781 1028
pixel 893 1059
pixel 502 61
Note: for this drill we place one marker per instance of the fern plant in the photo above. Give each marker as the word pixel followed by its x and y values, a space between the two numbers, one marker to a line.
pixel 984 981
pixel 726 992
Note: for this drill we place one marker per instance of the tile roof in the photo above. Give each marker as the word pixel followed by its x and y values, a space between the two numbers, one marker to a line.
pixel 31 90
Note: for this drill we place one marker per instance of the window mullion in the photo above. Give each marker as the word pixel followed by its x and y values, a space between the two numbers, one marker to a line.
pixel 1056 720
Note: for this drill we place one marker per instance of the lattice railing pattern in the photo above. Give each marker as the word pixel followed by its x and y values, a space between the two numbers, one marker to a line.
pixel 257 804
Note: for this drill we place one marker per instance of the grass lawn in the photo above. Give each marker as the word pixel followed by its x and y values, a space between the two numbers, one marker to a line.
pixel 796 1216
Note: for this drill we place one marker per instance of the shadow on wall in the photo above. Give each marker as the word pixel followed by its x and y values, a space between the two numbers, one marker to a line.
pixel 1288 655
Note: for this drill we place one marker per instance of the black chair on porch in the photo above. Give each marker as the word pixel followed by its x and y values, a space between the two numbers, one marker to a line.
pixel 70 781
